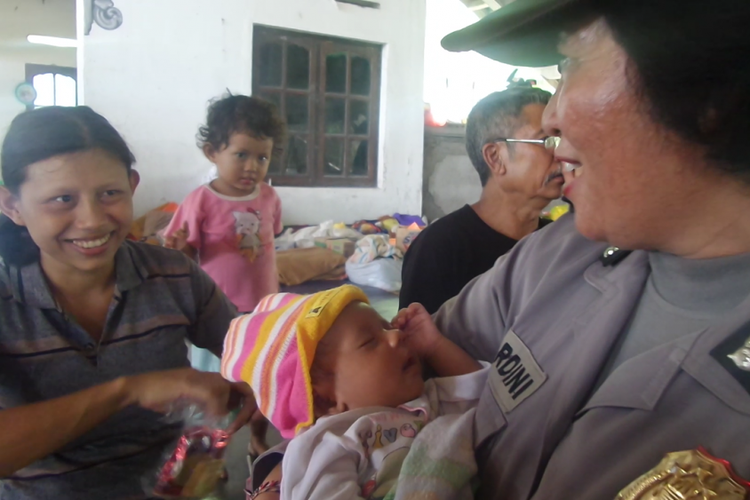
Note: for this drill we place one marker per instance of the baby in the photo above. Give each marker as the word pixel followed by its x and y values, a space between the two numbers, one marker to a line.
pixel 346 387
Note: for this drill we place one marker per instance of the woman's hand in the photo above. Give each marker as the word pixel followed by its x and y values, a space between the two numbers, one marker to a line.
pixel 248 406
pixel 420 332
pixel 33 431
pixel 157 391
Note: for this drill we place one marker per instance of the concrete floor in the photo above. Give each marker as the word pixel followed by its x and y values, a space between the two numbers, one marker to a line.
pixel 385 303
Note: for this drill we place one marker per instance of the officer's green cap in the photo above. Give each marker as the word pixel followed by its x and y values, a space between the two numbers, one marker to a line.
pixel 523 33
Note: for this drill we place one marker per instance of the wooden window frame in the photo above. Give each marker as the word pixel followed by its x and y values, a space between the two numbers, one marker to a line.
pixel 315 135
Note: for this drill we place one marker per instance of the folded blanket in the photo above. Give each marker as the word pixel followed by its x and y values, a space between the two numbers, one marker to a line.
pixel 305 264
pixel 440 464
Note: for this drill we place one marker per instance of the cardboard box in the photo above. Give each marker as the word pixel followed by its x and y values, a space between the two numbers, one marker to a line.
pixel 342 246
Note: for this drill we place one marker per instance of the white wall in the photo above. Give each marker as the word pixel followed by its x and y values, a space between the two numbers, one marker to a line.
pixel 153 76
pixel 456 81
pixel 18 19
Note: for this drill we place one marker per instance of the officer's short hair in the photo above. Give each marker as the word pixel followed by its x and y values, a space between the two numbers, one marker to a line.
pixel 497 115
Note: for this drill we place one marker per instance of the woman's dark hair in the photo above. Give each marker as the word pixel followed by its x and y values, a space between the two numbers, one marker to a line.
pixel 41 134
pixel 692 64
pixel 231 114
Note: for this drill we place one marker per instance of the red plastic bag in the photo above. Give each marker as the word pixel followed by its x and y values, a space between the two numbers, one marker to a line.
pixel 194 467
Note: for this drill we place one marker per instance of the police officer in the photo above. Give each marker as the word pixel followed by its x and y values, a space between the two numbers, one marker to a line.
pixel 620 335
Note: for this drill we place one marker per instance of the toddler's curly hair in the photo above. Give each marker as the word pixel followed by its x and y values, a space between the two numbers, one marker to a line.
pixel 231 114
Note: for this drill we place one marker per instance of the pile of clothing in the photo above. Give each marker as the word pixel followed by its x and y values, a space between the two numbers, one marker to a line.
pixel 306 237
pixel 368 252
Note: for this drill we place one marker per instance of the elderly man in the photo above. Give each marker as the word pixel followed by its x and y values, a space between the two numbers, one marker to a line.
pixel 519 175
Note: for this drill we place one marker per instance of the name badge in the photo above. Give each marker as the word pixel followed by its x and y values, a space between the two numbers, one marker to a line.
pixel 516 374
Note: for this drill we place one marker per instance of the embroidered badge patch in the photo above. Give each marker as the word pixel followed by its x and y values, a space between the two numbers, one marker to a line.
pixel 516 374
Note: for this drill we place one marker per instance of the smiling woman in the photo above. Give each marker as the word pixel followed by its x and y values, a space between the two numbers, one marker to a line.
pixel 92 327
pixel 65 200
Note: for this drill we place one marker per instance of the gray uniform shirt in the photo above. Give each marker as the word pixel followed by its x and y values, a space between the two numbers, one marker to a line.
pixel 549 315
pixel 683 296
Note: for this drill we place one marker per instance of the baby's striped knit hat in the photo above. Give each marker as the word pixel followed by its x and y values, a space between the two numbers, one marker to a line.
pixel 272 349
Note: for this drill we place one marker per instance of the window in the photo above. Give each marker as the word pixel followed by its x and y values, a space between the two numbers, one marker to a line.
pixel 329 91
pixel 54 85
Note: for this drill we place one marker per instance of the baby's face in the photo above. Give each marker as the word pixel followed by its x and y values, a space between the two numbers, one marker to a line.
pixel 369 361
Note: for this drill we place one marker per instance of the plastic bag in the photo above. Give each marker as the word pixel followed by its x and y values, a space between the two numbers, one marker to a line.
pixel 194 466
pixel 380 273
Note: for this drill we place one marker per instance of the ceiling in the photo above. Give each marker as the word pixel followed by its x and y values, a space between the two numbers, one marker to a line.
pixel 19 18
pixel 483 7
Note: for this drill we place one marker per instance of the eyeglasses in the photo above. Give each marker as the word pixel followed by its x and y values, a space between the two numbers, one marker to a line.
pixel 550 143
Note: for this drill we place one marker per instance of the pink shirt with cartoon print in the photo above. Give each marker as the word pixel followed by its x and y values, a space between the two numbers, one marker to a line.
pixel 234 237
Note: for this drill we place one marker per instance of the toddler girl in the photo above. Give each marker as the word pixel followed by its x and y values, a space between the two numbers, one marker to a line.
pixel 229 224
pixel 346 386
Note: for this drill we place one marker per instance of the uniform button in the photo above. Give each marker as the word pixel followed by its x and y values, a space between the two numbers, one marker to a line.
pixel 609 252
